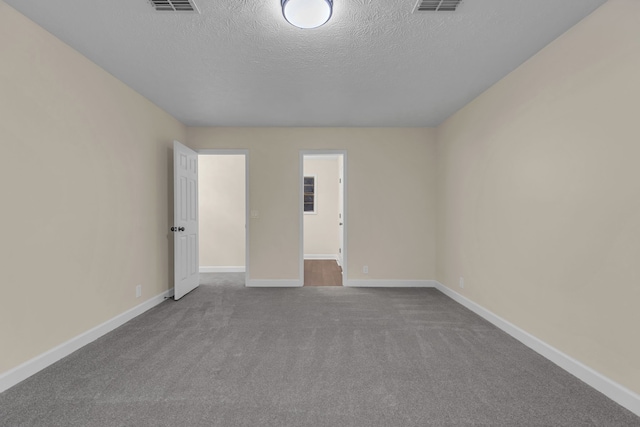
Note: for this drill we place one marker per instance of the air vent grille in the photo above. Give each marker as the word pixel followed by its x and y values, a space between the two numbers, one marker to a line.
pixel 174 6
pixel 436 5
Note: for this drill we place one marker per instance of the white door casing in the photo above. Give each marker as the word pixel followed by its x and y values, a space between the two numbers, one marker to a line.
pixel 342 204
pixel 340 209
pixel 185 223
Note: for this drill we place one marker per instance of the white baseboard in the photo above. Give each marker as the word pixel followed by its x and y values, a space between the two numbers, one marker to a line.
pixel 321 256
pixel 614 391
pixel 264 283
pixel 38 363
pixel 231 269
pixel 373 283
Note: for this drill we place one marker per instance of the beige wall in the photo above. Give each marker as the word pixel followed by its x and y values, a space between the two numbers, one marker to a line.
pixel 321 228
pixel 221 194
pixel 84 178
pixel 539 194
pixel 391 196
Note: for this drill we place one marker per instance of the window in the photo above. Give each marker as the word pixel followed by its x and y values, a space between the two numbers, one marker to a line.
pixel 310 194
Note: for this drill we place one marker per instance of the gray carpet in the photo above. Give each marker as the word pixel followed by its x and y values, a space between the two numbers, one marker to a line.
pixel 226 355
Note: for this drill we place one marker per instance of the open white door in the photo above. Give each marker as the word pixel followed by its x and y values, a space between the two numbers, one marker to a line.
pixel 340 210
pixel 185 214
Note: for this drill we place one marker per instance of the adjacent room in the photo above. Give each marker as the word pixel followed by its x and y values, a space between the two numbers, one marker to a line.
pixel 465 171
pixel 222 212
pixel 323 219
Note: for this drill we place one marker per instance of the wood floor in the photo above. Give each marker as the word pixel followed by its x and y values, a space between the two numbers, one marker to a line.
pixel 322 273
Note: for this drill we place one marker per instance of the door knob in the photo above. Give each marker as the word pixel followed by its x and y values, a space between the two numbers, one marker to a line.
pixel 340 224
pixel 180 228
pixel 174 229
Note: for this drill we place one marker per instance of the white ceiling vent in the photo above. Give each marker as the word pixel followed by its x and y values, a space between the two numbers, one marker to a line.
pixel 436 5
pixel 174 6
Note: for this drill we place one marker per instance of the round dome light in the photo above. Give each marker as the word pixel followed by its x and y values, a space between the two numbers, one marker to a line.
pixel 307 13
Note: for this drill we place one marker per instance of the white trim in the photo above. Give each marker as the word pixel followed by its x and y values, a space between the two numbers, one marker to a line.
pixel 614 391
pixel 375 283
pixel 38 363
pixel 222 151
pixel 247 216
pixel 327 156
pixel 226 269
pixel 271 283
pixel 333 257
pixel 345 210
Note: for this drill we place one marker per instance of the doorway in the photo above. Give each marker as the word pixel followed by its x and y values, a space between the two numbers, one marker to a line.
pixel 222 195
pixel 322 217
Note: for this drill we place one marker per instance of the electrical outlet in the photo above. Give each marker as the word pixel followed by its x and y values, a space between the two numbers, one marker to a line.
pixel 138 291
pixel 461 284
pixel 365 269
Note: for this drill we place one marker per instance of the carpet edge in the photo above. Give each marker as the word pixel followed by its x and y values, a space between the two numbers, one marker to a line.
pixel 613 390
pixel 23 371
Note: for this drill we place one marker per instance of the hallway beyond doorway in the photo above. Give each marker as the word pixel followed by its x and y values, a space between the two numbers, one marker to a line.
pixel 322 272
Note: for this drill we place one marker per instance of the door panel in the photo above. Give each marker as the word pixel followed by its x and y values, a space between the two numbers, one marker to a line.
pixel 341 210
pixel 185 227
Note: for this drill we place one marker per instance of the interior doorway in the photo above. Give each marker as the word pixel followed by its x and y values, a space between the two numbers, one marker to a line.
pixel 222 196
pixel 323 221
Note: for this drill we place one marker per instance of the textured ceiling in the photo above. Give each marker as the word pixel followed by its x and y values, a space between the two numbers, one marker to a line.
pixel 375 63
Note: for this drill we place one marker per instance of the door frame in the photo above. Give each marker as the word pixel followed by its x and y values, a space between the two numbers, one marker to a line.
pixel 345 199
pixel 185 241
pixel 245 153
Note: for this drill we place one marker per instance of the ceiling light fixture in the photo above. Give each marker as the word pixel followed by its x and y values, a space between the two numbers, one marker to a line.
pixel 307 13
